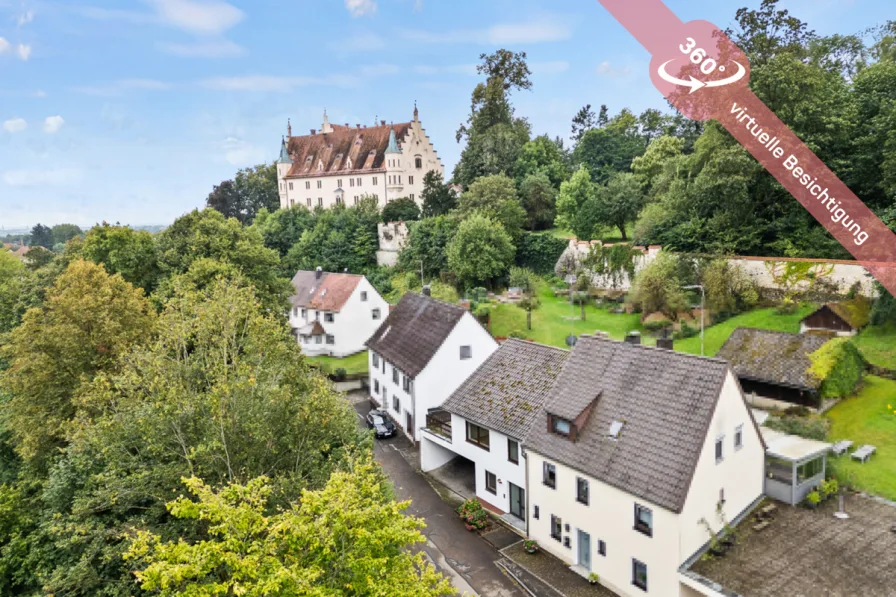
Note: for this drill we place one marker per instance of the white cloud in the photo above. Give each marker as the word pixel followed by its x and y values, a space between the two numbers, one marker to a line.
pixel 52 124
pixel 211 17
pixel 549 68
pixel 121 86
pixel 26 18
pixel 40 178
pixel 23 52
pixel 212 49
pixel 271 83
pixel 608 70
pixel 359 8
pixel 240 153
pixel 15 125
pixel 540 31
pixel 4 46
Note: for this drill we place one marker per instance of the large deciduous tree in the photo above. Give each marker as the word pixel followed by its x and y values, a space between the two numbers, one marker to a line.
pixel 427 245
pixel 620 201
pixel 539 198
pixel 283 228
pixel 495 197
pixel 577 205
pixel 251 190
pixel 480 252
pixel 123 250
pixel 438 198
pixel 403 209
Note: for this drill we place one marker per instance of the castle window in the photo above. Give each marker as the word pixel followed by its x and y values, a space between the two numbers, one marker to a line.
pixel 320 184
pixel 320 201
pixel 339 183
pixel 309 201
pixel 418 162
pixel 307 184
pixel 374 180
pixel 290 186
pixel 410 180
pixel 359 181
pixel 351 182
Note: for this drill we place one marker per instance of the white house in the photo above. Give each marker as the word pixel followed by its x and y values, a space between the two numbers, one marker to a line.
pixel 420 354
pixel 340 164
pixel 334 314
pixel 636 450
pixel 487 417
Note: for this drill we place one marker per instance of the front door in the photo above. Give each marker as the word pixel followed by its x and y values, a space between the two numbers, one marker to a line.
pixel 410 427
pixel 585 550
pixel 518 501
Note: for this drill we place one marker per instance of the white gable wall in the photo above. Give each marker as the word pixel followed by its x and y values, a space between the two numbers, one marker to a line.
pixel 446 371
pixel 740 473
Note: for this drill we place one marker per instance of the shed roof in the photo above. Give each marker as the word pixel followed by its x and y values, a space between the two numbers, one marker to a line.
pixel 773 357
pixel 509 389
pixel 856 313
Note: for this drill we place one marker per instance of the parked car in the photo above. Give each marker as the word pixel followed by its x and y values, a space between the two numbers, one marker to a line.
pixel 379 421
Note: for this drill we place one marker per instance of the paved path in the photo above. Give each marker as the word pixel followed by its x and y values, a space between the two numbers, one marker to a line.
pixel 463 556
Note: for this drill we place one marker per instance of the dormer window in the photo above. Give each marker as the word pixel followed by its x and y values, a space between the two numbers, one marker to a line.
pixel 561 426
pixel 338 156
pixel 308 159
pixel 372 152
pixel 320 165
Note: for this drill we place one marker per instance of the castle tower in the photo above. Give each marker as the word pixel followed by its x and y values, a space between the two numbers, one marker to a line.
pixel 284 163
pixel 325 127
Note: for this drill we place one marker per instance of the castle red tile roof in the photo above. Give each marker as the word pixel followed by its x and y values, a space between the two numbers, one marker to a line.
pixel 346 150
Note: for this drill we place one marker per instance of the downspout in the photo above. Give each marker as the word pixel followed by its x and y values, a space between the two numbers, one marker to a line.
pixel 526 505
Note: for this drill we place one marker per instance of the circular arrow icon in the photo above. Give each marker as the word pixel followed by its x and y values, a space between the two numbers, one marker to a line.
pixel 696 84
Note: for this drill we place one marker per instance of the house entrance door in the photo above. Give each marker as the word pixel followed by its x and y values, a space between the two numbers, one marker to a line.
pixel 518 501
pixel 410 427
pixel 585 550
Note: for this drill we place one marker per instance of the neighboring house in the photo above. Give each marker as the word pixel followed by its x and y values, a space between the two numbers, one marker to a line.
pixel 634 449
pixel 844 318
pixel 334 314
pixel 774 366
pixel 340 164
pixel 487 417
pixel 420 354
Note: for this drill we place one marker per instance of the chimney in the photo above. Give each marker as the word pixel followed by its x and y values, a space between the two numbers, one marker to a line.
pixel 359 126
pixel 313 131
pixel 664 343
pixel 633 338
pixel 346 125
pixel 382 123
pixel 318 272
pixel 427 291
pixel 345 271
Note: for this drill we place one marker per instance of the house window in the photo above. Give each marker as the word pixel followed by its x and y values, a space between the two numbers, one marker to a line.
pixel 339 182
pixel 331 339
pixel 305 313
pixel 720 444
pixel 639 574
pixel 338 199
pixel 318 339
pixel 396 404
pixel 601 547
pixel 561 426
pixel 478 436
pixel 328 317
pixel 739 437
pixel 556 528
pixel 722 496
pixel 406 384
pixel 810 469
pixel 374 180
pixel 376 386
pixel 394 375
pixel 356 199
pixel 375 313
pixel 359 182
pixel 411 181
pixel 412 197
pixel 320 201
pixel 376 360
pixel 582 490
pixel 549 475
pixel 363 296
pixel 513 451
pixel 418 162
pixel 643 520
pixel 320 184
pixel 466 352
pixel 309 201
pixel 290 186
pixel 292 202
pixel 535 512
pixel 491 482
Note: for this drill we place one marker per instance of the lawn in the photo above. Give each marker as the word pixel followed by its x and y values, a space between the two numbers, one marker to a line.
pixel 868 418
pixel 357 363
pixel 551 324
pixel 878 344
pixel 766 319
pixel 609 235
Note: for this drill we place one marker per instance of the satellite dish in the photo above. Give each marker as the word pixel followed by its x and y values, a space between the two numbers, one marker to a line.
pixel 571 340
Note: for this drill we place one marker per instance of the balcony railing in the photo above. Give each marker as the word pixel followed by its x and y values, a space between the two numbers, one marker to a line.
pixel 439 422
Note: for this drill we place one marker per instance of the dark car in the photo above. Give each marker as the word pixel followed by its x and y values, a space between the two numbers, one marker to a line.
pixel 379 421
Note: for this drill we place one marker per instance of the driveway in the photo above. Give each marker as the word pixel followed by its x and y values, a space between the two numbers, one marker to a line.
pixel 463 556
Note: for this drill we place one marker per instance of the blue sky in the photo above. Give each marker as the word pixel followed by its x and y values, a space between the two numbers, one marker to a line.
pixel 131 111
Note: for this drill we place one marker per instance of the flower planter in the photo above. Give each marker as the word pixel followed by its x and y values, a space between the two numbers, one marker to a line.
pixel 531 550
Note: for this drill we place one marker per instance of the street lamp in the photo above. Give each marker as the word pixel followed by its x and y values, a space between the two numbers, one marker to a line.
pixel 702 310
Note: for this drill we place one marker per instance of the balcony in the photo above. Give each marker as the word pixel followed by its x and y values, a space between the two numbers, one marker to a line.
pixel 439 422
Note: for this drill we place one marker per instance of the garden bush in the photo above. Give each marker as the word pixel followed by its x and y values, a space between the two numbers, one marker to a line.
pixel 839 365
pixel 540 252
pixel 473 514
pixel 811 427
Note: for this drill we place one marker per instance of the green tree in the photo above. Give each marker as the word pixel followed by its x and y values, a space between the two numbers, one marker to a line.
pixel 349 538
pixel 577 205
pixel 342 238
pixel 251 190
pixel 62 233
pixel 37 257
pixel 438 198
pixel 481 251
pixel 729 289
pixel 582 122
pixel 657 287
pixel 208 234
pixel 403 209
pixel 660 152
pixel 542 155
pixel 608 150
pixel 495 197
pixel 427 244
pixel 582 288
pixel 123 250
pixel 42 236
pixel 526 280
pixel 620 201
pixel 89 319
pixel 283 228
pixel 539 198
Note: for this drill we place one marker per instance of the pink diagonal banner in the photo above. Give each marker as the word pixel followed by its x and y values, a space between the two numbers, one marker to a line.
pixel 705 76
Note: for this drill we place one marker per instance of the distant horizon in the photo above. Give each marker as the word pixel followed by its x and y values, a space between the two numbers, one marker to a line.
pixel 27 229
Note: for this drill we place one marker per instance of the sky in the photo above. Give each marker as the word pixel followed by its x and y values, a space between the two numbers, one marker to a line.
pixel 131 111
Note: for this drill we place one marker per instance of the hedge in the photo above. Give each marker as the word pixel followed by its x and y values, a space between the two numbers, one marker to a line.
pixel 839 365
pixel 539 251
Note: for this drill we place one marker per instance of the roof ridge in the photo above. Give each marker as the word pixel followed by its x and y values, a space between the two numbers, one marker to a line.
pixel 533 343
pixel 662 350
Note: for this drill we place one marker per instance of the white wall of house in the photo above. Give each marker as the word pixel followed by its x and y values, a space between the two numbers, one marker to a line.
pixel 608 517
pixel 740 473
pixel 444 373
pixel 494 460
pixel 351 327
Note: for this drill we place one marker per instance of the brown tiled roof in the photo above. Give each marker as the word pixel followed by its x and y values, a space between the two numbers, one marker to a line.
pixel 327 293
pixel 772 357
pixel 365 148
pixel 509 389
pixel 855 312
pixel 665 401
pixel 414 331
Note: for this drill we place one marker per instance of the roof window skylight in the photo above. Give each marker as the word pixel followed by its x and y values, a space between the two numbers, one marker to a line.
pixel 615 429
